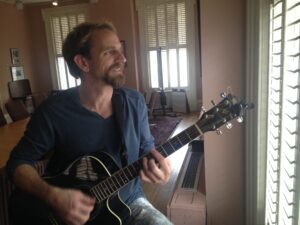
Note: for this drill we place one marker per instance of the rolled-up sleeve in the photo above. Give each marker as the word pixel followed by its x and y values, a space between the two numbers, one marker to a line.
pixel 147 140
pixel 37 140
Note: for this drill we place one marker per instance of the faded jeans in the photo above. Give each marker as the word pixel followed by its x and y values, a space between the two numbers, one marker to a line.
pixel 143 213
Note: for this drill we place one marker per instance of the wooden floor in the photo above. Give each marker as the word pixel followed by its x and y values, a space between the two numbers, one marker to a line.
pixel 159 195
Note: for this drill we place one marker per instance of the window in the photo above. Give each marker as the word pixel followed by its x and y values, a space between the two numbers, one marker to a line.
pixel 165 32
pixel 282 190
pixel 168 46
pixel 58 24
pixel 273 169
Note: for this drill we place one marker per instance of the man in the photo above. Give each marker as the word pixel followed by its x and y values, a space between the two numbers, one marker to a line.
pixel 99 115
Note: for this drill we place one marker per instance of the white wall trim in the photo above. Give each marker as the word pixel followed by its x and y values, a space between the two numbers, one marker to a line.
pixel 256 124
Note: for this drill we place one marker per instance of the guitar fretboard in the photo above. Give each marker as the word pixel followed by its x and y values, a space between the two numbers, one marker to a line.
pixel 119 179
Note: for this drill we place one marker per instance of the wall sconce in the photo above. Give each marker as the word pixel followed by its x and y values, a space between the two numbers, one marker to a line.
pixel 55 3
pixel 19 5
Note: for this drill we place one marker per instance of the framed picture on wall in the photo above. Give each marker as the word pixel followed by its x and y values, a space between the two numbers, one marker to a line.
pixel 17 73
pixel 15 56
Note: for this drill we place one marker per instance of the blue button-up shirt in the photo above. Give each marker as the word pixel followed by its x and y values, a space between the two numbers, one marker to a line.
pixel 62 124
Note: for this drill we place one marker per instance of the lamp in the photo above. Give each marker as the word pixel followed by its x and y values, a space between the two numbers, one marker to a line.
pixel 19 5
pixel 55 2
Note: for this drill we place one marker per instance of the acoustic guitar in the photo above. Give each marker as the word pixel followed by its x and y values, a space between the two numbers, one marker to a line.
pixel 99 176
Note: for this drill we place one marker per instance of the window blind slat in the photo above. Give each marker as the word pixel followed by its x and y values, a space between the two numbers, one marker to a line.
pixel 284 100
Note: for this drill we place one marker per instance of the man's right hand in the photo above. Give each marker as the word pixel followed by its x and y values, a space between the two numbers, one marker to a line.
pixel 73 206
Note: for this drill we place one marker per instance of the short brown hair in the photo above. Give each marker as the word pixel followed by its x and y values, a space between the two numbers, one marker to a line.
pixel 78 41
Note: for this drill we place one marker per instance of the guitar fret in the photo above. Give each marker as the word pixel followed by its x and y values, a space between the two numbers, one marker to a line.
pixel 120 179
pixel 124 177
pixel 112 183
pixel 188 136
pixel 175 143
pixel 104 189
pixel 169 147
pixel 137 165
pixel 132 171
pixel 183 138
pixel 129 173
pixel 108 185
pixel 99 193
pixel 102 192
pixel 164 151
pixel 179 140
pixel 200 132
pixel 96 193
pixel 116 182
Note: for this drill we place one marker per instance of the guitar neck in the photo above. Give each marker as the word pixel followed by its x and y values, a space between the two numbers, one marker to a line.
pixel 119 179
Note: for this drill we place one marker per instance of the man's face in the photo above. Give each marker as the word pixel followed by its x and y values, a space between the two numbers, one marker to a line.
pixel 107 60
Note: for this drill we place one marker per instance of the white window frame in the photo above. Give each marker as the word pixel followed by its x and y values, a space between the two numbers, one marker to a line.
pixel 192 52
pixel 258 16
pixel 256 122
pixel 52 12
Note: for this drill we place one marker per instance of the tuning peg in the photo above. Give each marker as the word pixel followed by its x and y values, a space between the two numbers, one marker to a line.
pixel 240 119
pixel 229 125
pixel 223 94
pixel 203 110
pixel 219 132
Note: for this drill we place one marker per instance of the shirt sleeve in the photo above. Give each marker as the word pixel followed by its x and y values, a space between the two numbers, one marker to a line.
pixel 37 140
pixel 147 140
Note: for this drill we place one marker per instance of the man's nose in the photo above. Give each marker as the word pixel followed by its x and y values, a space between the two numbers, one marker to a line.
pixel 121 58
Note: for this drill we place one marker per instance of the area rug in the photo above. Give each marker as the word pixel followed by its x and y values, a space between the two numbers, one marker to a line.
pixel 162 128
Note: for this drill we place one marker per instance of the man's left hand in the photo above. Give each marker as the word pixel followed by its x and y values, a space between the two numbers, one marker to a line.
pixel 156 170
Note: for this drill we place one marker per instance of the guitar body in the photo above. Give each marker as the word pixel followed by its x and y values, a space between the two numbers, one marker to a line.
pixel 83 174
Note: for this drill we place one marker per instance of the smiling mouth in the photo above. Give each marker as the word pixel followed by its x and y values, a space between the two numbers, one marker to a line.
pixel 117 68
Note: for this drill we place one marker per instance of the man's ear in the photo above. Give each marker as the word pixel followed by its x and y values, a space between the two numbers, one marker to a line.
pixel 82 63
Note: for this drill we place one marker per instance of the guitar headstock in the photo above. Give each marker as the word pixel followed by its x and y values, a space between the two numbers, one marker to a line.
pixel 229 108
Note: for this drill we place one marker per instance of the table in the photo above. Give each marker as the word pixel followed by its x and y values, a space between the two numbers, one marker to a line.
pixel 10 135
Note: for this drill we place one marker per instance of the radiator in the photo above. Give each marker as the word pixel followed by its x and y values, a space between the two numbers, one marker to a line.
pixel 187 205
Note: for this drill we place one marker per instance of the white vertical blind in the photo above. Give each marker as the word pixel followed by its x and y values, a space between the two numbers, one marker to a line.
pixel 282 190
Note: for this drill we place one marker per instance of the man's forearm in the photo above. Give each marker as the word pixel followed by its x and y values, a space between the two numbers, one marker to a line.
pixel 27 179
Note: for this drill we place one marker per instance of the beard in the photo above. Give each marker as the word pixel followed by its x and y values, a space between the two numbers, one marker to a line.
pixel 116 80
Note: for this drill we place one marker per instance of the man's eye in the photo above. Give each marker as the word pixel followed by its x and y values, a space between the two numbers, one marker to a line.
pixel 110 52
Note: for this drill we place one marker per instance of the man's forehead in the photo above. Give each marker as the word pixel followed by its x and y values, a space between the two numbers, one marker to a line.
pixel 104 37
pixel 104 33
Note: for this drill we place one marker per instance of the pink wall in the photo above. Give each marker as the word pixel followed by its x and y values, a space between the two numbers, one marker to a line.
pixel 223 65
pixel 40 63
pixel 14 34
